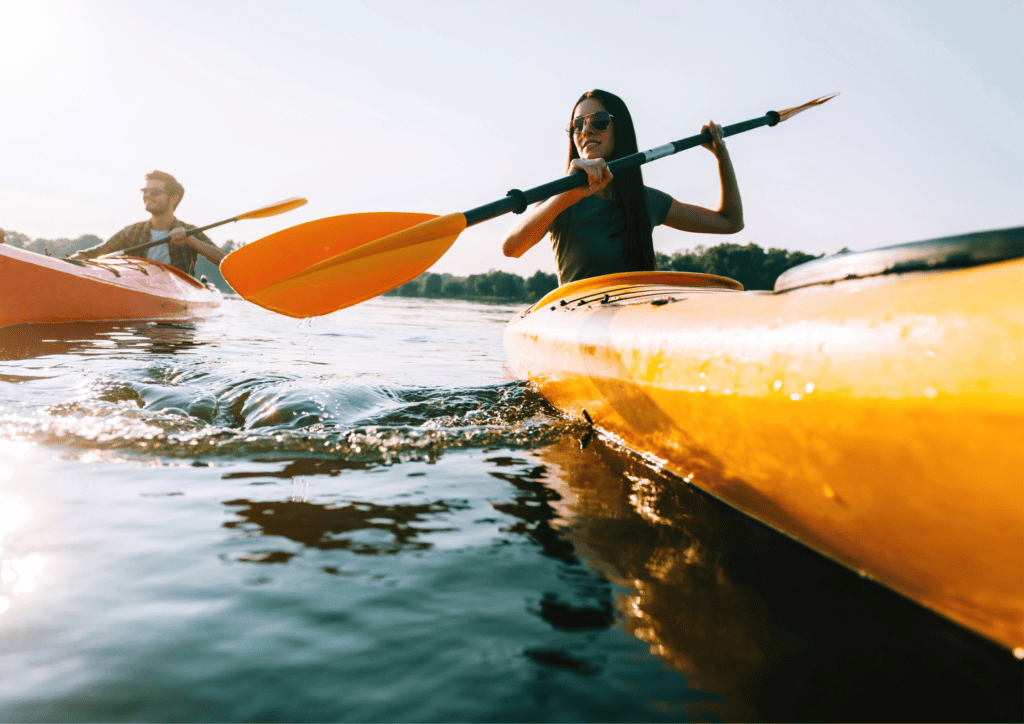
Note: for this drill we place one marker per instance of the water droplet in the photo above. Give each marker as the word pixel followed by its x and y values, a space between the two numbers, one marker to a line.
pixel 829 493
pixel 930 392
pixel 795 396
pixel 930 353
pixel 702 375
pixel 809 388
pixel 1019 653
pixel 777 386
pixel 702 388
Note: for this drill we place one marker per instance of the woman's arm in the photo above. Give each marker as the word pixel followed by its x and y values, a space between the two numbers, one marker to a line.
pixel 729 217
pixel 534 223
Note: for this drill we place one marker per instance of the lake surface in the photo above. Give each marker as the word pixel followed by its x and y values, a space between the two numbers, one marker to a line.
pixel 364 518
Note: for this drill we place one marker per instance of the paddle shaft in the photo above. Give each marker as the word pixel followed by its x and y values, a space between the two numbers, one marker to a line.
pixel 189 232
pixel 518 200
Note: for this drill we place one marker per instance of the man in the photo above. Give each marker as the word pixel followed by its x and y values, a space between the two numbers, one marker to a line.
pixel 161 195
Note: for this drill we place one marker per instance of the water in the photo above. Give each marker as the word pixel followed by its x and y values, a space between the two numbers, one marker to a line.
pixel 364 518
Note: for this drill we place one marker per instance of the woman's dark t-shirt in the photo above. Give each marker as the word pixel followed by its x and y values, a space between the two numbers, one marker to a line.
pixel 594 241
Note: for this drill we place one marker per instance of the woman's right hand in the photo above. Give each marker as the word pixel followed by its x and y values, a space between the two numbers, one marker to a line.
pixel 533 224
pixel 598 175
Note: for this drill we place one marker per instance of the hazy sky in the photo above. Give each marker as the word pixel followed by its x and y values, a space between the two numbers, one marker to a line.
pixel 443 106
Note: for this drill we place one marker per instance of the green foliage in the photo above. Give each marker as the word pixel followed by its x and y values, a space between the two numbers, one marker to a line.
pixel 507 286
pixel 540 284
pixel 410 289
pixel 483 285
pixel 750 265
pixel 55 247
pixel 13 238
pixel 455 289
pixel 432 285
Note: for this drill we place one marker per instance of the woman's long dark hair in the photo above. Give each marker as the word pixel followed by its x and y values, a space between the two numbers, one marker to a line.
pixel 628 184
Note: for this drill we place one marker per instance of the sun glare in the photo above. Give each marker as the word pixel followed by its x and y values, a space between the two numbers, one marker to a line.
pixel 12 514
pixel 39 44
pixel 18 574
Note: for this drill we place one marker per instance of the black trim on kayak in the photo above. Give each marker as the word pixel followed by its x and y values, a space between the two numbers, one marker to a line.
pixel 629 295
pixel 951 252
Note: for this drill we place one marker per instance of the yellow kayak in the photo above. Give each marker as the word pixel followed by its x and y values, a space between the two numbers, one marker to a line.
pixel 872 407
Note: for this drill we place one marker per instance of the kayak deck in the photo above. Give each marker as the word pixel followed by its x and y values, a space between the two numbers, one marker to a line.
pixel 876 420
pixel 37 289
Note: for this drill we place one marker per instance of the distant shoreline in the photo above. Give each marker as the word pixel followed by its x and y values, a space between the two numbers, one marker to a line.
pixel 750 265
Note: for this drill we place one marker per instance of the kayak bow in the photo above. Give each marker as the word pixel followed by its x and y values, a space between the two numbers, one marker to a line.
pixel 38 289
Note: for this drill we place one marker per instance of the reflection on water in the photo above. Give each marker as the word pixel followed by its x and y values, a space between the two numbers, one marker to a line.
pixel 532 506
pixel 337 526
pixel 538 519
pixel 753 616
pixel 302 467
pixel 28 341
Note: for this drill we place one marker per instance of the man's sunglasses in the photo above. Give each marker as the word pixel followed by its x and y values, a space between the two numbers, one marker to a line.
pixel 149 191
pixel 598 121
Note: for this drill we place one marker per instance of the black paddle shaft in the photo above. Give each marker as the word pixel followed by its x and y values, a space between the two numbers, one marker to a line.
pixel 517 200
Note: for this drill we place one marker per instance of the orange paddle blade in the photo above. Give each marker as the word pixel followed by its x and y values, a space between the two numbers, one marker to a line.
pixel 363 272
pixel 788 113
pixel 291 251
pixel 273 209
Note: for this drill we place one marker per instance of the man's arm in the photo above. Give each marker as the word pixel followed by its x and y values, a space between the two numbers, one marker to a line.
pixel 126 237
pixel 200 242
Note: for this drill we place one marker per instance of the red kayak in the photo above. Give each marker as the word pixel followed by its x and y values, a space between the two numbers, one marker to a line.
pixel 37 289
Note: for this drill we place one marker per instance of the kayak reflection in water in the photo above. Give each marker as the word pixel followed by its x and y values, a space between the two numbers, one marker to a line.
pixel 605 227
pixel 161 195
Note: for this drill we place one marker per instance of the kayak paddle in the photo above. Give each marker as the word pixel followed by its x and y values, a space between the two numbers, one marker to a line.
pixel 328 264
pixel 270 210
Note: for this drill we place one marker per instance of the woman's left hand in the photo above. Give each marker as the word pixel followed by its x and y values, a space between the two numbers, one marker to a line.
pixel 717 144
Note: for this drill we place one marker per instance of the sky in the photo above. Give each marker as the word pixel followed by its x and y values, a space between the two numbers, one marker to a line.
pixel 439 107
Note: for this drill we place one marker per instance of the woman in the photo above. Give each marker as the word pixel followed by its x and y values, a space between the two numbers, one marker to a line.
pixel 605 227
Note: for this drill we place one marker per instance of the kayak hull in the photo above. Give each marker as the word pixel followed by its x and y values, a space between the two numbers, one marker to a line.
pixel 878 421
pixel 37 289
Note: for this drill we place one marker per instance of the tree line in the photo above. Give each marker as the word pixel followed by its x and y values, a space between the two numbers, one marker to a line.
pixel 749 264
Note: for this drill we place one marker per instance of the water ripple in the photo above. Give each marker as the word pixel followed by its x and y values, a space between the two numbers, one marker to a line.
pixel 180 414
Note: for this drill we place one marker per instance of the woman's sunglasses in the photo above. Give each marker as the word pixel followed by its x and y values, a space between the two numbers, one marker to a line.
pixel 598 121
